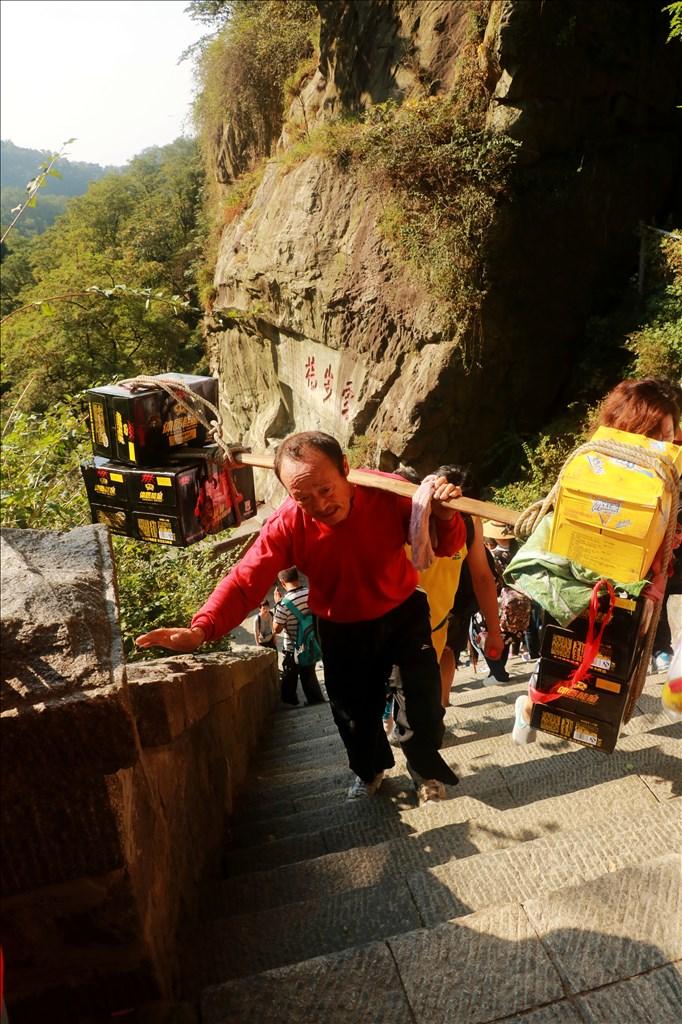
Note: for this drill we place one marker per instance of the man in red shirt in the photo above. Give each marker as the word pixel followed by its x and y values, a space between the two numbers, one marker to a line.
pixel 350 542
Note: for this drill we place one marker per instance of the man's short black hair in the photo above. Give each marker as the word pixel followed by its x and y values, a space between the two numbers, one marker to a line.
pixel 289 575
pixel 264 603
pixel 409 474
pixel 460 476
pixel 298 445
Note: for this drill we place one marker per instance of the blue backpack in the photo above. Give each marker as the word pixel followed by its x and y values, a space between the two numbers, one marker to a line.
pixel 307 647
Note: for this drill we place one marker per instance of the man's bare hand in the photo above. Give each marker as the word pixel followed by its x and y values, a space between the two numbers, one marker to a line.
pixel 444 492
pixel 177 639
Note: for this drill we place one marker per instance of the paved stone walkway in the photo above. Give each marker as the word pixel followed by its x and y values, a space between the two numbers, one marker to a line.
pixel 546 890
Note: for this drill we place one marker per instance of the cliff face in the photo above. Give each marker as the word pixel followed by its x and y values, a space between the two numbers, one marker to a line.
pixel 331 329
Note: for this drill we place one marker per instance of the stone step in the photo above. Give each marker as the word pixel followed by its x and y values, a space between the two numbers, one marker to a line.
pixel 483 771
pixel 249 943
pixel 426 837
pixel 287 729
pixel 655 760
pixel 462 722
pixel 298 724
pixel 286 786
pixel 462 743
pixel 496 721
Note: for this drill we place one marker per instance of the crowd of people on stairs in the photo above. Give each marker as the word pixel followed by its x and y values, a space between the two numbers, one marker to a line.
pixel 390 637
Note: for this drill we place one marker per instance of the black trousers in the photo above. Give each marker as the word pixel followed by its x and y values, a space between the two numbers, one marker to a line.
pixel 291 673
pixel 358 657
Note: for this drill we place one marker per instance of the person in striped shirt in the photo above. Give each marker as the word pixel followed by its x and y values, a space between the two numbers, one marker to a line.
pixel 286 623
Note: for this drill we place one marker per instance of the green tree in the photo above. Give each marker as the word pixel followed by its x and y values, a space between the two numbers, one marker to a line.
pixel 133 236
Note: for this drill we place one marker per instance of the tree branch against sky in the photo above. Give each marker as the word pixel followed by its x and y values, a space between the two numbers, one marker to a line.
pixel 105 72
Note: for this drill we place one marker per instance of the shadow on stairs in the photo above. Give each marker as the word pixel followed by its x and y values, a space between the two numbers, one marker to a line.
pixel 546 890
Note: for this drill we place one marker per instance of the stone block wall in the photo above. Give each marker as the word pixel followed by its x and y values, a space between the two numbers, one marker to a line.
pixel 115 811
pixel 117 787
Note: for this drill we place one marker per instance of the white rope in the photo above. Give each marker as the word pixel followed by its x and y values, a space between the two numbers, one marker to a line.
pixel 181 393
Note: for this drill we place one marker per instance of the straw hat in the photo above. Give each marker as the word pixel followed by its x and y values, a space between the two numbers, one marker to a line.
pixel 497 531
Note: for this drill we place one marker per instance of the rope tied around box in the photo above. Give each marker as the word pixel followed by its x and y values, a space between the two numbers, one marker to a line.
pixel 420 536
pixel 190 402
pixel 662 465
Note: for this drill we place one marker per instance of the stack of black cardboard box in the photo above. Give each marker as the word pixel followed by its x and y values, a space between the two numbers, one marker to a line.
pixel 589 712
pixel 153 476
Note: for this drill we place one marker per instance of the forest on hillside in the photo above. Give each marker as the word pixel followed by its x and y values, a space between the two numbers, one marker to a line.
pixel 121 283
pixel 19 165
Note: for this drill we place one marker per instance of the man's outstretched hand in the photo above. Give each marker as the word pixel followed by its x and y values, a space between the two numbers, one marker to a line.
pixel 176 639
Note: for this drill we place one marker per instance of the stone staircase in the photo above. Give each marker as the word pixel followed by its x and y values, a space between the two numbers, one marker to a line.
pixel 547 890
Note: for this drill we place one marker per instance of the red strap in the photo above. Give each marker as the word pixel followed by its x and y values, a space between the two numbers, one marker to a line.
pixel 592 642
pixel 234 494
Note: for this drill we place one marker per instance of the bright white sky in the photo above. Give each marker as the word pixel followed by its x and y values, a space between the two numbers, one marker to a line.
pixel 104 71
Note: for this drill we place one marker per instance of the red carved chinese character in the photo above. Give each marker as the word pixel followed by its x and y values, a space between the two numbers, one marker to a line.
pixel 310 373
pixel 328 383
pixel 346 396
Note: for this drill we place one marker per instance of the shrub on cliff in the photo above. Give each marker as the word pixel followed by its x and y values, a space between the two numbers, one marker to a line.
pixel 444 176
pixel 241 76
pixel 657 342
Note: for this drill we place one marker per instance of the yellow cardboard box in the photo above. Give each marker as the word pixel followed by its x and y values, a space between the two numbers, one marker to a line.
pixel 610 514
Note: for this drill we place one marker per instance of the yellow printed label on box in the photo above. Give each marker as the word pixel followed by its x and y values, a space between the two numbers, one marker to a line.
pixel 160 531
pixel 131 452
pixel 627 603
pixel 119 428
pixel 164 481
pixel 117 477
pixel 568 648
pixel 98 426
pixel 608 684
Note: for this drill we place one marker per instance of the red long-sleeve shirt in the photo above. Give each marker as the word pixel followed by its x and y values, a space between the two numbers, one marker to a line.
pixel 356 570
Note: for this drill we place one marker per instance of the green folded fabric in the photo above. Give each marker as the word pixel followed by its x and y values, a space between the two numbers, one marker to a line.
pixel 563 588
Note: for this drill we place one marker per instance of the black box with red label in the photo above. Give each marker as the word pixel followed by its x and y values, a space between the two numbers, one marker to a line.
pixel 144 426
pixel 589 712
pixel 179 503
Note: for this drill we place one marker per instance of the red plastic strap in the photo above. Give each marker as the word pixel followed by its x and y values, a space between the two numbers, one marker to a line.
pixel 235 496
pixel 592 642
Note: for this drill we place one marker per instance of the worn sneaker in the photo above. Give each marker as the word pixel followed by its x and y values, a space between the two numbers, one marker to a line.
pixel 361 790
pixel 427 789
pixel 431 789
pixel 661 661
pixel 522 732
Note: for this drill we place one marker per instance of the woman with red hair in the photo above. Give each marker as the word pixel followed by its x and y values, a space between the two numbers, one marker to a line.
pixel 650 407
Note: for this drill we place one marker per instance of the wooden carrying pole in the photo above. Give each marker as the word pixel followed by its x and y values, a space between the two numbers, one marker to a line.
pixel 484 509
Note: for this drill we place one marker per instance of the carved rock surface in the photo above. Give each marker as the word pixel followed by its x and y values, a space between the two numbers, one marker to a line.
pixel 60 632
pixel 335 331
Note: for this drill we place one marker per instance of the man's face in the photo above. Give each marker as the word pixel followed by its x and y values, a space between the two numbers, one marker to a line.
pixel 318 487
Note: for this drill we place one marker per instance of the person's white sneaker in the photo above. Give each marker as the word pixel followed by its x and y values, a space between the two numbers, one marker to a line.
pixel 361 790
pixel 661 662
pixel 522 732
